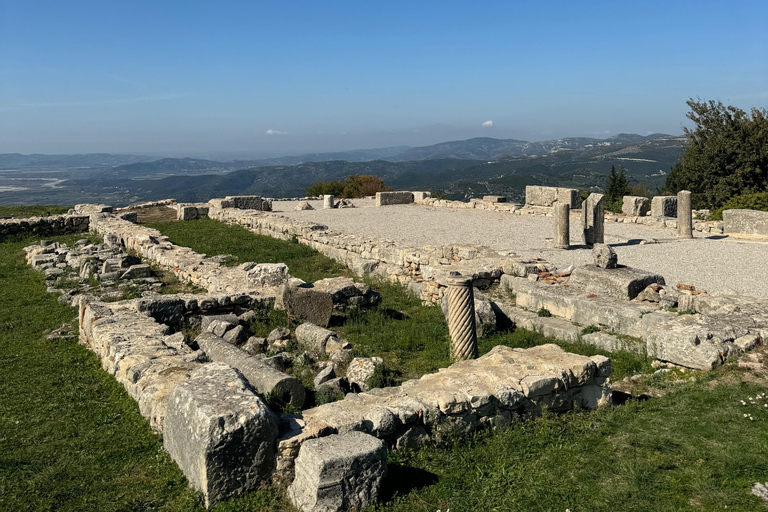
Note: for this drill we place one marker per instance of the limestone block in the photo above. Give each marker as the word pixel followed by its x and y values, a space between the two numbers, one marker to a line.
pixel 418 197
pixel 338 472
pixel 267 274
pixel 387 198
pixel 206 320
pixel 360 370
pixel 304 205
pixel 664 206
pixel 635 206
pixel 137 271
pixel 495 199
pixel 745 222
pixel 611 343
pixel 546 196
pixel 249 203
pixel 314 337
pixel 604 256
pixel 621 283
pixel 220 433
pixel 129 216
pixel 308 305
pixel 260 375
pixel 593 219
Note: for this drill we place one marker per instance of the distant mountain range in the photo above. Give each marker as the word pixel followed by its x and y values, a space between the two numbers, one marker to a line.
pixel 457 168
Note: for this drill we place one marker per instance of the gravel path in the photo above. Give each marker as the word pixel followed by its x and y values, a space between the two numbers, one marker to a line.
pixel 715 264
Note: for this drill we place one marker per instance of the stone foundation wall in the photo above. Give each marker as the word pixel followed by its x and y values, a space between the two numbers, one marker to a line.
pixel 53 225
pixel 749 223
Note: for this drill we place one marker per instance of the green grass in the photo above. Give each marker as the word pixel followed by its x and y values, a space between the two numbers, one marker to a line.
pixel 213 238
pixel 21 211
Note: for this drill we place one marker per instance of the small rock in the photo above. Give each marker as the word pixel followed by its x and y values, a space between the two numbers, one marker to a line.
pixel 236 335
pixel 605 256
pixel 304 205
pixel 360 370
pixel 254 345
pixel 281 333
pixel 324 375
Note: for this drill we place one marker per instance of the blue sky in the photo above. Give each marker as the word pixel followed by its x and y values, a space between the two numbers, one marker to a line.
pixel 197 77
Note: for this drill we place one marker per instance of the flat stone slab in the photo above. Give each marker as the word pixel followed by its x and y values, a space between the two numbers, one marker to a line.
pixel 220 433
pixel 387 198
pixel 620 283
pixel 339 472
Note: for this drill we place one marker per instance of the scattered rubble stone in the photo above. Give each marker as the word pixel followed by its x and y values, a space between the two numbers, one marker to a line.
pixel 308 305
pixel 605 256
pixel 360 370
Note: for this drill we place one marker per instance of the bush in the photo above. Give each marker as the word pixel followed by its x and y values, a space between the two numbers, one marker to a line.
pixel 382 377
pixel 544 313
pixel 354 186
pixel 757 201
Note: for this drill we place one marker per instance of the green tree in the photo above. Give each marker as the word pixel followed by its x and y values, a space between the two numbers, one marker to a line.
pixel 726 155
pixel 353 186
pixel 616 187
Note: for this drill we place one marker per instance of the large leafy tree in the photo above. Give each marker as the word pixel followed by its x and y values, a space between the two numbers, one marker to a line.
pixel 726 155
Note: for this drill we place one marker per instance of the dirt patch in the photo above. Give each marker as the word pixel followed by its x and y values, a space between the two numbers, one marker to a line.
pixel 154 214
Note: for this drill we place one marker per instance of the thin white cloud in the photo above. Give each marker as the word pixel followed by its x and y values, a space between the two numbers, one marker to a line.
pixel 488 124
pixel 275 132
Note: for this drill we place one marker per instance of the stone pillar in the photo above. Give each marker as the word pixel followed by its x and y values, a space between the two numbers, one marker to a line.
pixel 562 213
pixel 684 215
pixel 461 318
pixel 327 201
pixel 593 218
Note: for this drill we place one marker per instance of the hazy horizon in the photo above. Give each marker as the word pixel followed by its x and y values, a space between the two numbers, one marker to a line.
pixel 288 78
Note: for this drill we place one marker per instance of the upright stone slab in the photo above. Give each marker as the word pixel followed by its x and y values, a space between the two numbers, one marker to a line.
pixel 684 215
pixel 635 206
pixel 745 223
pixel 421 196
pixel 387 198
pixel 562 217
pixel 338 472
pixel 328 201
pixel 593 219
pixel 220 433
pixel 664 206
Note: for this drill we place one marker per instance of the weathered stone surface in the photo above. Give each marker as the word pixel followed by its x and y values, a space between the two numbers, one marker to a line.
pixel 562 223
pixel 220 433
pixel 421 196
pixel 495 199
pixel 610 343
pixel 267 274
pixel 137 271
pixel 338 472
pixel 684 215
pixel 304 206
pixel 387 198
pixel 604 256
pixel 236 336
pixel 261 376
pixel 207 320
pixel 745 222
pixel 308 305
pixel 546 196
pixel 664 206
pixel 279 333
pixel 593 219
pixel 635 206
pixel 621 283
pixel 346 292
pixel 314 337
pixel 328 203
pixel 360 369
pixel 324 375
pixel 485 317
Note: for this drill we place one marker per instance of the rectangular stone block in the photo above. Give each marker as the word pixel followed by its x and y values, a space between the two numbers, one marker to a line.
pixel 745 222
pixel 421 196
pixel 339 472
pixel 249 203
pixel 635 206
pixel 546 196
pixel 387 198
pixel 664 206
pixel 220 433
pixel 620 283
pixel 495 199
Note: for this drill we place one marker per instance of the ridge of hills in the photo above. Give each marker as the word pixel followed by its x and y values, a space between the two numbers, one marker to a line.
pixel 458 169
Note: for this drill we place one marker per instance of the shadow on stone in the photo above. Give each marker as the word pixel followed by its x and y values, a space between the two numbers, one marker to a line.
pixel 401 480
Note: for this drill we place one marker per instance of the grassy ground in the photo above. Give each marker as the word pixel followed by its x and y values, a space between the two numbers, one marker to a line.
pixel 23 212
pixel 212 238
pixel 72 439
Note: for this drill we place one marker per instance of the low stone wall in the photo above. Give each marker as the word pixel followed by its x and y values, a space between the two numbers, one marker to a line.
pixel 149 204
pixel 243 203
pixel 53 225
pixel 749 223
pixel 546 196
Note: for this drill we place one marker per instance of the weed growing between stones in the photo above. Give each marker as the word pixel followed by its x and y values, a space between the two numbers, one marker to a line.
pixel 590 329
pixel 544 313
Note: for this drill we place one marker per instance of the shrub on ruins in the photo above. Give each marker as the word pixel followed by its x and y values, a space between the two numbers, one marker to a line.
pixel 726 155
pixel 616 187
pixel 353 186
pixel 757 201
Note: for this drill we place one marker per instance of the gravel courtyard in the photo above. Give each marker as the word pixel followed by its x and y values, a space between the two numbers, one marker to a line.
pixel 714 263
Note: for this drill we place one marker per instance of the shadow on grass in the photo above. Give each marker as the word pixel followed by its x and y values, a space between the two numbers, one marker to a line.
pixel 401 480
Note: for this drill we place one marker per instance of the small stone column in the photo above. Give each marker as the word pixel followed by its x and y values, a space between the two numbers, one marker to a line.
pixel 327 201
pixel 562 213
pixel 461 318
pixel 593 217
pixel 684 215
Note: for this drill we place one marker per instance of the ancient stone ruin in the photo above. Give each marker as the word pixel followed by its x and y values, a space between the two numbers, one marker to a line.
pixel 215 390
